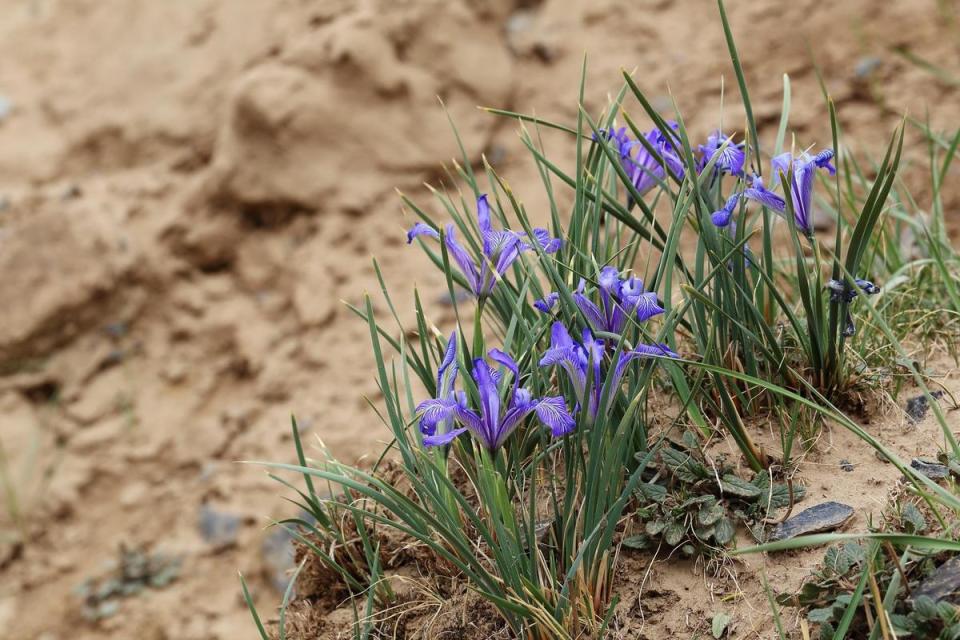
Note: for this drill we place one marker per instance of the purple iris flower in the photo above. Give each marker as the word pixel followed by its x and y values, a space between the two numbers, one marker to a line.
pixel 582 362
pixel 729 160
pixel 436 416
pixel 501 248
pixel 620 298
pixel 799 171
pixel 500 413
pixel 841 291
pixel 643 169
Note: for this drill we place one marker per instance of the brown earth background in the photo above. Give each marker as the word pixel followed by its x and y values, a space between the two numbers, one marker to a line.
pixel 190 188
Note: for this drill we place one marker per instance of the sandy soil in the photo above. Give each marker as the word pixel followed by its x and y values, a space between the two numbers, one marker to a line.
pixel 188 189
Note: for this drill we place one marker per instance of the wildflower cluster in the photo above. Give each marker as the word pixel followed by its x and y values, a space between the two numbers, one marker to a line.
pixel 799 172
pixel 620 298
pixel 647 162
pixel 497 416
pixel 503 405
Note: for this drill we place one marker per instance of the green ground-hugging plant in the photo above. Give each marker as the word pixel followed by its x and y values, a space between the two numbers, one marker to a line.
pixel 525 466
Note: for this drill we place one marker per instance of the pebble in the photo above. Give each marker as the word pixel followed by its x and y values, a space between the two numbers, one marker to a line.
pixel 930 468
pixel 459 296
pixel 866 66
pixel 175 372
pixel 8 611
pixel 918 406
pixel 277 552
pixel 943 582
pixel 826 516
pixel 133 494
pixel 218 528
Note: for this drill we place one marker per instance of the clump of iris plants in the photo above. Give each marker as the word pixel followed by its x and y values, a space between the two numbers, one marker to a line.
pixel 524 430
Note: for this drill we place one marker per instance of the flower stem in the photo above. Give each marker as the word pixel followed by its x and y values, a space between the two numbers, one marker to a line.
pixel 478 329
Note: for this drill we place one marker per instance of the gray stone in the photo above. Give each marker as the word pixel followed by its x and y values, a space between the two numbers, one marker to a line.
pixel 826 516
pixel 218 528
pixel 930 468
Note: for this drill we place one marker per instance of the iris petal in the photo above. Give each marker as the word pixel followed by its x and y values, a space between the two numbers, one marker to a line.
pixel 801 191
pixel 467 266
pixel 447 373
pixel 823 159
pixel 591 312
pixel 648 306
pixel 441 439
pixel 421 229
pixel 483 214
pixel 547 304
pixel 501 357
pixel 722 217
pixel 548 243
pixel 489 399
pixel 434 411
pixel 552 412
pixel 764 196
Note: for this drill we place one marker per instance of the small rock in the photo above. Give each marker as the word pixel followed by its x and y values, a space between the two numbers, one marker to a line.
pixel 846 465
pixel 277 551
pixel 312 300
pixel 8 612
pixel 6 106
pixel 918 406
pixel 102 397
pixel 459 296
pixel 866 66
pixel 520 21
pixel 71 269
pixel 930 468
pixel 100 434
pixel 133 494
pixel 218 528
pixel 943 582
pixel 62 563
pixel 826 516
pixel 72 192
pixel 175 372
pixel 116 329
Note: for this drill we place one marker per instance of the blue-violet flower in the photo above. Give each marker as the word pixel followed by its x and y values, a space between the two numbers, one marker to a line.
pixel 620 299
pixel 841 291
pixel 500 413
pixel 799 171
pixel 642 167
pixel 730 159
pixel 501 248
pixel 582 363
